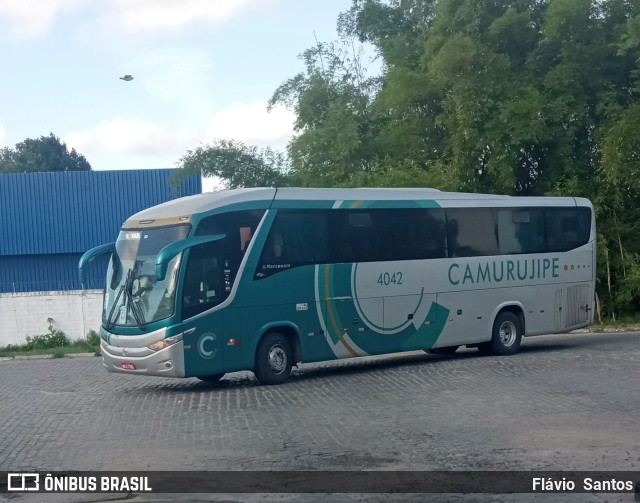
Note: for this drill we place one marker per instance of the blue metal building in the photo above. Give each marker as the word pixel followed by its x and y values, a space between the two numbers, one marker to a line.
pixel 48 220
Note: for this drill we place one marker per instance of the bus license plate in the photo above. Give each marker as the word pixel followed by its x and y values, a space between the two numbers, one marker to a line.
pixel 128 366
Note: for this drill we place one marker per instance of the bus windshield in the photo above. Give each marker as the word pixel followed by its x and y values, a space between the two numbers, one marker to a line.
pixel 133 295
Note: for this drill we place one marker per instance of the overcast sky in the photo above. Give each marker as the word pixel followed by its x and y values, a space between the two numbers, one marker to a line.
pixel 203 70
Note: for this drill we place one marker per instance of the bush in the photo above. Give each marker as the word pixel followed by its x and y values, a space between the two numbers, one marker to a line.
pixel 90 343
pixel 55 343
pixel 93 338
pixel 58 353
pixel 54 339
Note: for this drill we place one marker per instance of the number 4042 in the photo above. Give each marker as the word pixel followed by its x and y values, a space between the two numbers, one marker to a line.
pixel 388 278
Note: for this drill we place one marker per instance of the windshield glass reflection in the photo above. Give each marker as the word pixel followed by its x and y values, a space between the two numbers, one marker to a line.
pixel 134 296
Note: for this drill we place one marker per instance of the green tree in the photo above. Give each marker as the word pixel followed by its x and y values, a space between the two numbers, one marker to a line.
pixel 236 164
pixel 407 103
pixel 528 97
pixel 335 125
pixel 46 153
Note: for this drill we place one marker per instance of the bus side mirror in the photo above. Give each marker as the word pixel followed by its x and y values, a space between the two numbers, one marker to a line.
pixel 89 256
pixel 170 251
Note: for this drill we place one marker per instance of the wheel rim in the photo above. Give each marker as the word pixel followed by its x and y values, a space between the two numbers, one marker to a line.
pixel 507 333
pixel 277 359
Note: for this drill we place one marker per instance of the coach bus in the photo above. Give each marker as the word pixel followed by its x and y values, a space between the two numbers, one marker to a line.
pixel 263 279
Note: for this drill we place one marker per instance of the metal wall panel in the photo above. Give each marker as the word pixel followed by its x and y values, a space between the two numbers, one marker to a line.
pixel 70 212
pixel 48 220
pixel 40 273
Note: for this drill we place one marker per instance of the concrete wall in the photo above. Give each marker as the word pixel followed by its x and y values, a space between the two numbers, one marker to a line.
pixel 75 312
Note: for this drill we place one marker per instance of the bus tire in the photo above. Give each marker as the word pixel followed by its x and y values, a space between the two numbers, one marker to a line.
pixel 506 335
pixel 211 378
pixel 449 350
pixel 274 359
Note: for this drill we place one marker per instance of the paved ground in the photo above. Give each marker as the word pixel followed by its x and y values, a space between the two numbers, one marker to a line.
pixel 568 402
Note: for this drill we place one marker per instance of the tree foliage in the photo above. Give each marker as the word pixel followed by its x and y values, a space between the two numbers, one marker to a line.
pixel 46 153
pixel 522 97
pixel 236 164
pixel 332 99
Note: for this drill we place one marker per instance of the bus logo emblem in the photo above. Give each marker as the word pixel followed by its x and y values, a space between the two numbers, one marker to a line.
pixel 207 346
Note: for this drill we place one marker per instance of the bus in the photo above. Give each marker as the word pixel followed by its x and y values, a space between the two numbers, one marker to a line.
pixel 263 279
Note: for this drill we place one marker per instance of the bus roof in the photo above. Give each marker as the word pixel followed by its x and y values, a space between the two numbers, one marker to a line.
pixel 183 208
pixel 172 212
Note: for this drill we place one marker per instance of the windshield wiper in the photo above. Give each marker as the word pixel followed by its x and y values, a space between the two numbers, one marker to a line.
pixel 110 323
pixel 136 310
pixel 128 299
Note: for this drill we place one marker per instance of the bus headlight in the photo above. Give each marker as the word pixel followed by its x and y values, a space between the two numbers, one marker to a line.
pixel 165 343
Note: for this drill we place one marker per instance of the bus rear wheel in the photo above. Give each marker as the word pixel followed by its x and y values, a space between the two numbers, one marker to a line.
pixel 273 359
pixel 506 335
pixel 211 378
pixel 449 350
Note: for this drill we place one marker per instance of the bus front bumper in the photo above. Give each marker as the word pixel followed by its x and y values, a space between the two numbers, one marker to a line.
pixel 127 357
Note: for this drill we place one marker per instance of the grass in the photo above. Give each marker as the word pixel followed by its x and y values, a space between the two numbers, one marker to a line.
pixel 59 352
pixel 621 323
pixel 61 348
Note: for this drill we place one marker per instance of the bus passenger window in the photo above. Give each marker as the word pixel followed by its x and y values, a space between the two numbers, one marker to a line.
pixel 296 238
pixel 359 236
pixel 418 233
pixel 471 232
pixel 521 230
pixel 567 228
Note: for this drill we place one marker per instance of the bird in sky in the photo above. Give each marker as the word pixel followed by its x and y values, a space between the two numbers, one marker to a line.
pixel 127 78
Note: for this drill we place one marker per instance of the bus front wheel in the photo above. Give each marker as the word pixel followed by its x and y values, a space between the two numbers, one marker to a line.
pixel 506 335
pixel 273 359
